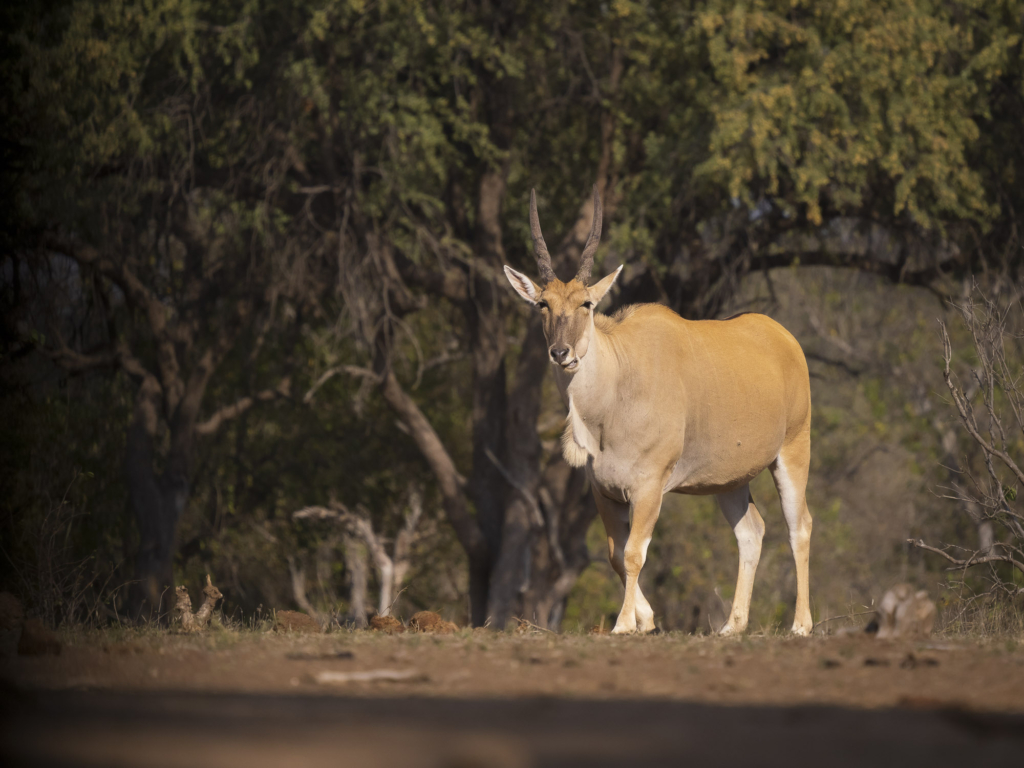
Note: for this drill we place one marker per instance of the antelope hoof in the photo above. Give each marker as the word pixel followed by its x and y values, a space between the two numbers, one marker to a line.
pixel 645 621
pixel 730 630
pixel 623 628
pixel 801 630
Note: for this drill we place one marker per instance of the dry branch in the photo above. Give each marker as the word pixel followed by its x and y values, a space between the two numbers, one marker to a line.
pixel 972 561
pixel 236 409
pixel 993 399
pixel 392 569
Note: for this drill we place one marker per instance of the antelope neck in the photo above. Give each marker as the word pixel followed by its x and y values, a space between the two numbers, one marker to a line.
pixel 591 390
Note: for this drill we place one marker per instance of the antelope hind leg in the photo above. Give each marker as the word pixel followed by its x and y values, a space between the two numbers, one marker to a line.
pixel 738 508
pixel 790 474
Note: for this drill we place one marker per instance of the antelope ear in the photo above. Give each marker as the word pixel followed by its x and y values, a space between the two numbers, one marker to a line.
pixel 600 288
pixel 524 286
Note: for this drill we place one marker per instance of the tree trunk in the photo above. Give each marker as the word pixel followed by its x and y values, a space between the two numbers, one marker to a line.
pixel 510 572
pixel 298 575
pixel 355 566
pixel 157 500
pixel 519 474
pixel 386 574
pixel 479 589
pixel 486 321
pixel 156 503
pixel 561 555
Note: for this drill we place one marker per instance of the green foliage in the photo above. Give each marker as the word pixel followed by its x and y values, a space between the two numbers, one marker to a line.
pixel 284 145
pixel 61 527
pixel 817 104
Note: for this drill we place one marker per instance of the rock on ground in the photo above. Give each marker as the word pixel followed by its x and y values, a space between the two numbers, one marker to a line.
pixel 905 612
pixel 428 621
pixel 387 624
pixel 294 621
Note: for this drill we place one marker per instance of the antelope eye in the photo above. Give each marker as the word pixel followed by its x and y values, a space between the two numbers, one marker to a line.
pixel 542 305
pixel 587 305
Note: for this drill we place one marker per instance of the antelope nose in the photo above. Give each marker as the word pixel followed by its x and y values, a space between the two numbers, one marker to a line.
pixel 558 354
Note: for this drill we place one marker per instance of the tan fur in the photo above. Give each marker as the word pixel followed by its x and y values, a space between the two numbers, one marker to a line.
pixel 660 404
pixel 183 607
pixel 905 612
pixel 574 454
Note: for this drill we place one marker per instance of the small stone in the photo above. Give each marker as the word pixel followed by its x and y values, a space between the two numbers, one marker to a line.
pixel 295 621
pixel 37 640
pixel 387 624
pixel 428 621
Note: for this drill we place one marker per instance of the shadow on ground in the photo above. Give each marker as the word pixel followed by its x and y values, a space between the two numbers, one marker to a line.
pixel 80 728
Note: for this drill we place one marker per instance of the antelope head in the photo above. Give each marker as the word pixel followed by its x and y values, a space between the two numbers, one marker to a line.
pixel 567 309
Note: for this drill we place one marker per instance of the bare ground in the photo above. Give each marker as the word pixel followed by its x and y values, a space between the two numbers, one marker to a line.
pixel 853 671
pixel 248 697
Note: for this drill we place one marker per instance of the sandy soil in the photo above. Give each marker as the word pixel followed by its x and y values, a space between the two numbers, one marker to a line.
pixel 846 671
pixel 483 700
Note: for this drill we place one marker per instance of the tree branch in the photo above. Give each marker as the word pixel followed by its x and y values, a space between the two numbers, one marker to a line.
pixel 833 362
pixel 895 273
pixel 962 408
pixel 450 282
pixel 236 409
pixel 961 564
pixel 450 481
pixel 134 367
pixel 78 362
pixel 360 525
pixel 330 373
pixel 139 295
pixel 298 574
pixel 538 518
pixel 404 538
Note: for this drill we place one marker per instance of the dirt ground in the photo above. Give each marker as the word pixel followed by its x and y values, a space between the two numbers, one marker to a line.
pixel 852 671
pixel 153 698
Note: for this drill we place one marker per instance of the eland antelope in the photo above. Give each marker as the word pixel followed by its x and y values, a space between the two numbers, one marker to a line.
pixel 658 404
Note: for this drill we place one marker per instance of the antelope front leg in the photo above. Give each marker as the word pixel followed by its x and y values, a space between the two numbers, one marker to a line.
pixel 615 516
pixel 646 508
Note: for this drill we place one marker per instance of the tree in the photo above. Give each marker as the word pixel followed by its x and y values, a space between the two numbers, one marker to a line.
pixel 990 408
pixel 813 183
pixel 161 197
pixel 392 569
pixel 236 174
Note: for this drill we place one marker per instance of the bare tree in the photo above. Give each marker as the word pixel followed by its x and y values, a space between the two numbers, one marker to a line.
pixel 392 569
pixel 298 574
pixel 355 568
pixel 989 403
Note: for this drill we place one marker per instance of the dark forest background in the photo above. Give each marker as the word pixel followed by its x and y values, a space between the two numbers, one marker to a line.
pixel 255 322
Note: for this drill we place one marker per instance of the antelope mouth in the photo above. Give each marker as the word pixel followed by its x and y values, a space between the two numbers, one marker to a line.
pixel 571 365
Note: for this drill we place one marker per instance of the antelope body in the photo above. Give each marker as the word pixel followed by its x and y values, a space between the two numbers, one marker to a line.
pixel 658 403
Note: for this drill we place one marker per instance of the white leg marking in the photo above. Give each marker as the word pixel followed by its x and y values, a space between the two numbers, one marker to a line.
pixel 644 612
pixel 738 508
pixel 794 507
pixel 645 507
